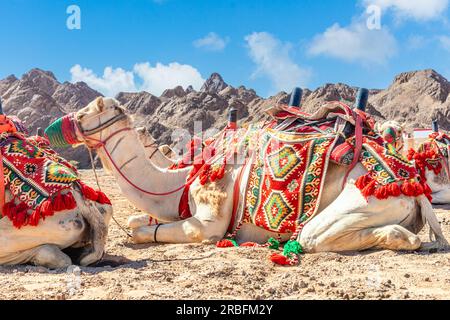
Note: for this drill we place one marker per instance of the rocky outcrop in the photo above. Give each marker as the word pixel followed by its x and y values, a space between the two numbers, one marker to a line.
pixel 214 84
pixel 415 99
pixel 38 99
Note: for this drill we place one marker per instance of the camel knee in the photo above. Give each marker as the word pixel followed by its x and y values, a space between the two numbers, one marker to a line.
pixel 135 222
pixel 200 233
pixel 50 256
pixel 396 237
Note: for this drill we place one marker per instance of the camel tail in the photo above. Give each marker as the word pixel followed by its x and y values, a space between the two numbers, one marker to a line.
pixel 429 217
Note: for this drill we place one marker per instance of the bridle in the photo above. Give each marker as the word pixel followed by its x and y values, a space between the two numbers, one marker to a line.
pixel 101 144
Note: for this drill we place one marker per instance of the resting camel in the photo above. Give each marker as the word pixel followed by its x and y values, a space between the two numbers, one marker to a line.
pixel 347 221
pixel 69 218
pixel 430 161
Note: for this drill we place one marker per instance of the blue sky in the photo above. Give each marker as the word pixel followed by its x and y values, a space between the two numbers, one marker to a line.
pixel 263 44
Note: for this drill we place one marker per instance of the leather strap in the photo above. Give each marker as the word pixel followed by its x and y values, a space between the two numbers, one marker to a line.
pixel 236 196
pixel 2 183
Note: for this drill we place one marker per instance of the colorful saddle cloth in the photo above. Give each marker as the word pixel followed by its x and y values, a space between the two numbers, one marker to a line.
pixel 286 179
pixel 36 177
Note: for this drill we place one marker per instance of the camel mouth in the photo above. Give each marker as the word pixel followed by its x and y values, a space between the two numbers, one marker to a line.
pixel 62 132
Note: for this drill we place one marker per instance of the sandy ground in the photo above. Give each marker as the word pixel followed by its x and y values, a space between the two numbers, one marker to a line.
pixel 198 271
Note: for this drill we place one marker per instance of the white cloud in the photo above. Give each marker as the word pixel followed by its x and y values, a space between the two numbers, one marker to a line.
pixel 355 43
pixel 421 10
pixel 112 81
pixel 444 41
pixel 157 79
pixel 273 60
pixel 152 79
pixel 212 42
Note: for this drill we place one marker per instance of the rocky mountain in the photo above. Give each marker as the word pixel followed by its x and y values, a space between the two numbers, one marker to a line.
pixel 38 99
pixel 414 98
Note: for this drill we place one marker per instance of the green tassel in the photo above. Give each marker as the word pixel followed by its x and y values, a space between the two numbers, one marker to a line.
pixel 273 244
pixel 234 242
pixel 292 247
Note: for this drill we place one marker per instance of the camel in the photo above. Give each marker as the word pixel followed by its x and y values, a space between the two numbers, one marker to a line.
pixel 392 132
pixel 438 179
pixel 340 225
pixel 84 227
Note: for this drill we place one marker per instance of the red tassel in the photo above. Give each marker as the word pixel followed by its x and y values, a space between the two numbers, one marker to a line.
pixel 369 190
pixel 221 172
pixel 408 189
pixel 58 203
pixel 382 193
pixel 102 198
pixel 46 208
pixel 35 217
pixel 280 259
pixel 419 189
pixel 225 243
pixel 20 218
pixel 394 189
pixel 249 244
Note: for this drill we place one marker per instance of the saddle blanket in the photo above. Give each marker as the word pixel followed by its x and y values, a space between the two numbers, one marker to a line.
pixel 36 177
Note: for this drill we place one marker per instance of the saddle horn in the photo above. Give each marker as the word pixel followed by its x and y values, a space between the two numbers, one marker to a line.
pixel 362 98
pixel 296 97
pixel 435 126
pixel 233 118
pixel 39 132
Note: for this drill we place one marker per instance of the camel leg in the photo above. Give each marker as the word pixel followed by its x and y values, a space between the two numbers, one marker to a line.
pixel 135 222
pixel 191 230
pixel 391 237
pixel 50 256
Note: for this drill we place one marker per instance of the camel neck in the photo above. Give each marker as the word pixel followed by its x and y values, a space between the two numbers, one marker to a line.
pixel 127 160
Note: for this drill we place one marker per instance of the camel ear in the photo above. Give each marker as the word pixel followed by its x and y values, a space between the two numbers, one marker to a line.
pixel 100 104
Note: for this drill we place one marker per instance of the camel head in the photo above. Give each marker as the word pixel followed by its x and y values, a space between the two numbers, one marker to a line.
pixel 392 132
pixel 98 119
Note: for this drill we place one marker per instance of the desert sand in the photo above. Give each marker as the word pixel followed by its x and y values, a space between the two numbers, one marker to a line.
pixel 197 271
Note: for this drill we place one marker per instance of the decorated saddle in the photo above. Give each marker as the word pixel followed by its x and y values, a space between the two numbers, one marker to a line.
pixel 38 179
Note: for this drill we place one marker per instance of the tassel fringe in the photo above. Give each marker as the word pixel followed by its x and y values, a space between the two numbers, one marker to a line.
pixel 20 214
pixel 370 187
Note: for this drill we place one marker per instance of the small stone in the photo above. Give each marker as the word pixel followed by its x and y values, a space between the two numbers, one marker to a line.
pixel 271 291
pixel 303 284
pixel 407 275
pixel 333 284
pixel 311 290
pixel 427 279
pixel 346 296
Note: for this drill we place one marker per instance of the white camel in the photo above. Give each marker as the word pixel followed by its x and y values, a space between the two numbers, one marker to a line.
pixel 341 225
pixel 86 226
